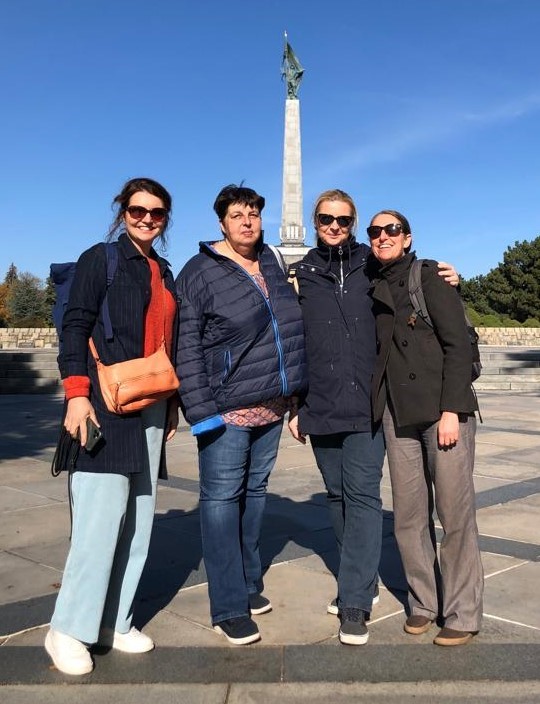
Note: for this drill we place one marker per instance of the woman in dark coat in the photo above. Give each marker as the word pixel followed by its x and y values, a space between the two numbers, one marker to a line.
pixel 422 390
pixel 113 486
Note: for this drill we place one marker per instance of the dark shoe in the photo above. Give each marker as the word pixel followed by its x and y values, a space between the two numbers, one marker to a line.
pixel 447 636
pixel 259 604
pixel 353 629
pixel 416 625
pixel 238 631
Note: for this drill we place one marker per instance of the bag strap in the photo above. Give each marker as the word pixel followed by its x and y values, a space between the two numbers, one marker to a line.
pixel 111 253
pixel 416 293
pixel 277 254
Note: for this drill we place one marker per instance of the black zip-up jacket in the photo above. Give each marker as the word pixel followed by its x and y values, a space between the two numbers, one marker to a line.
pixel 236 348
pixel 340 338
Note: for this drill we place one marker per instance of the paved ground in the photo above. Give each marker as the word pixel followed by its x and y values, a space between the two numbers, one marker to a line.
pixel 299 658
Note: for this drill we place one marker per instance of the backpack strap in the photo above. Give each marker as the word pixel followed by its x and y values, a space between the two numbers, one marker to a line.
pixel 416 293
pixel 111 253
pixel 277 254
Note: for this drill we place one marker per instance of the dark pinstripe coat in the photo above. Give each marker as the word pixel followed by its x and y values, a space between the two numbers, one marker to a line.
pixel 128 297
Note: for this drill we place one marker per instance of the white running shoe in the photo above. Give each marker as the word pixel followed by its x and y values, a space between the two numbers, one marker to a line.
pixel 68 654
pixel 333 608
pixel 131 642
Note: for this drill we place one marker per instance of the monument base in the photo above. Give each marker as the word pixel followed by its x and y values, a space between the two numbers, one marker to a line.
pixel 293 253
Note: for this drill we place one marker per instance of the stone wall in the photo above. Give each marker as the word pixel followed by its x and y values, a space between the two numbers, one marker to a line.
pixel 20 338
pixel 522 337
pixel 33 338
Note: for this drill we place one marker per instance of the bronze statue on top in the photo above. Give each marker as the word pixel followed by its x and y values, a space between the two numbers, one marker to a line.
pixel 291 70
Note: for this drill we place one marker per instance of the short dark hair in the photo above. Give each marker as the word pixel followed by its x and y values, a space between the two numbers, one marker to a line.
pixel 121 202
pixel 405 227
pixel 237 194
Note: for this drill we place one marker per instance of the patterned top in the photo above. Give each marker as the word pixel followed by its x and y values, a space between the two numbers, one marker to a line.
pixel 264 413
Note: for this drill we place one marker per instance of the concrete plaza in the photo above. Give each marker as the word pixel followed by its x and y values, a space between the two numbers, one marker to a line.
pixel 299 658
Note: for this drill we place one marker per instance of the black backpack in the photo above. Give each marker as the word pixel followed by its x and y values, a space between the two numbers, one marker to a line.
pixel 416 294
pixel 62 278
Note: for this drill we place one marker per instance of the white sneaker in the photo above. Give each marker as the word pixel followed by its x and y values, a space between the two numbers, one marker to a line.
pixel 333 608
pixel 68 654
pixel 131 642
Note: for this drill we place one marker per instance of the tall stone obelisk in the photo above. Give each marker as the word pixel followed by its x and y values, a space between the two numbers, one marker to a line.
pixel 292 232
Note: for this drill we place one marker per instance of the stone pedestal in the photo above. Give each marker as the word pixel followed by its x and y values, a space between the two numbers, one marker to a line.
pixel 292 231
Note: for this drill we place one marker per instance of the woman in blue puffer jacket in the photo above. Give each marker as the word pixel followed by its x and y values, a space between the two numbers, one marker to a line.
pixel 241 359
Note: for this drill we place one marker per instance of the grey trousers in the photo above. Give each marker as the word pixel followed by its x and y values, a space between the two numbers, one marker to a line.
pixel 422 476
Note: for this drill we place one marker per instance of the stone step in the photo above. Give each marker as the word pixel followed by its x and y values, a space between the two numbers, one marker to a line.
pixel 29 372
pixel 31 385
pixel 500 383
pixel 504 369
pixel 524 354
pixel 491 370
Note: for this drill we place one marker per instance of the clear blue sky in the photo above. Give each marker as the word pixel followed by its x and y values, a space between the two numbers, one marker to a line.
pixel 431 107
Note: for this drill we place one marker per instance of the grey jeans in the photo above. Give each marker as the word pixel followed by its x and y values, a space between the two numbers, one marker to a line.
pixel 424 476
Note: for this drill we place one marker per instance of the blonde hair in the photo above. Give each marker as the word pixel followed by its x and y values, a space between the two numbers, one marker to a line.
pixel 335 194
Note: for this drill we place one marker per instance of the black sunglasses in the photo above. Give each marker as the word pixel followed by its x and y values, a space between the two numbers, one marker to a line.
pixel 393 229
pixel 137 212
pixel 342 220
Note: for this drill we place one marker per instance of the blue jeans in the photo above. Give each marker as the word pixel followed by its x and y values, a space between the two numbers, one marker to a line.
pixel 234 466
pixel 112 524
pixel 351 466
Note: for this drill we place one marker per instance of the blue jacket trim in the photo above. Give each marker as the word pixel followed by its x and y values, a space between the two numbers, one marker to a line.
pixel 204 426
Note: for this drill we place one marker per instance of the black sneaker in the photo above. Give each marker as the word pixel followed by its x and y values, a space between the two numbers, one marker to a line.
pixel 238 631
pixel 353 629
pixel 259 604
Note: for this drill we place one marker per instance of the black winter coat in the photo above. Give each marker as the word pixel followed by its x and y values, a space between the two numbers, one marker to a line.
pixel 339 325
pixel 235 347
pixel 128 297
pixel 423 370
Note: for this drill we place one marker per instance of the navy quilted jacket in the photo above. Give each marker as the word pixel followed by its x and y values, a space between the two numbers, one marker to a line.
pixel 235 347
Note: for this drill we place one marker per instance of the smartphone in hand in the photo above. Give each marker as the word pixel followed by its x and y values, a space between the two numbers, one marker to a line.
pixel 93 435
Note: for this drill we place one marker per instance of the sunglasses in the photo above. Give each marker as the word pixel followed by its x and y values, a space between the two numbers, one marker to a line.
pixel 342 220
pixel 393 229
pixel 137 212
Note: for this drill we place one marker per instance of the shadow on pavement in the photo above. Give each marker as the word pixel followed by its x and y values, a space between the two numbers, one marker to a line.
pixel 30 425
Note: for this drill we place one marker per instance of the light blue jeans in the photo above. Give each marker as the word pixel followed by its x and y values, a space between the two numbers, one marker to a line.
pixel 112 524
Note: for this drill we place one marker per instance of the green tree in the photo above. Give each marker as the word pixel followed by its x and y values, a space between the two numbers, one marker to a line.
pixel 4 316
pixel 473 294
pixel 521 269
pixel 512 289
pixel 25 302
pixel 11 275
pixel 9 279
pixel 50 300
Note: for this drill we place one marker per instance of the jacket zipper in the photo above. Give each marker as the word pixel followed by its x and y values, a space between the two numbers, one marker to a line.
pixel 284 385
pixel 341 279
